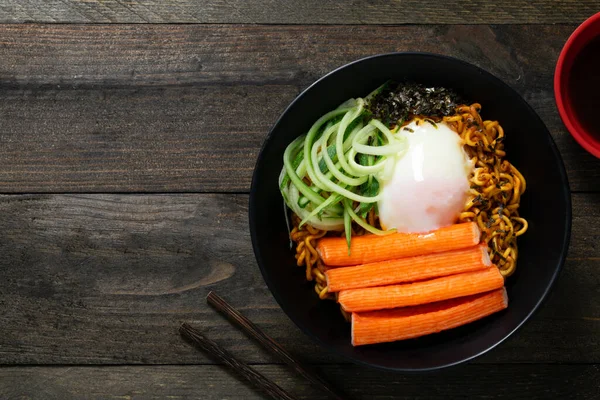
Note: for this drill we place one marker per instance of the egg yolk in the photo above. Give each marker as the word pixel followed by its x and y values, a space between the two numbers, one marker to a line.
pixel 429 184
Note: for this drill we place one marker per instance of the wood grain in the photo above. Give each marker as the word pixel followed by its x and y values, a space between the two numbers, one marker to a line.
pixel 138 108
pixel 107 279
pixel 298 12
pixel 95 285
pixel 525 381
pixel 217 352
pixel 258 335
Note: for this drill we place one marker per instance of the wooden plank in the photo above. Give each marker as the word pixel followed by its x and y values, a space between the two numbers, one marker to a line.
pixel 132 140
pixel 107 279
pixel 170 139
pixel 169 108
pixel 527 381
pixel 300 12
pixel 181 55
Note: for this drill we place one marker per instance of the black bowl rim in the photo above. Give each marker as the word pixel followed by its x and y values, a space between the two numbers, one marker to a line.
pixel 304 329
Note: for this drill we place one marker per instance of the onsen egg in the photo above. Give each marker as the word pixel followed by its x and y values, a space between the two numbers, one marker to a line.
pixel 429 184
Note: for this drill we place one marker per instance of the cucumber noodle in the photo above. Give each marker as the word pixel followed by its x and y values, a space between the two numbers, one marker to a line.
pixel 332 174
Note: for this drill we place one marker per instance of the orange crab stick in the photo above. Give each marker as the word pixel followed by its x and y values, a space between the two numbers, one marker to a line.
pixel 411 322
pixel 373 248
pixel 409 269
pixel 412 294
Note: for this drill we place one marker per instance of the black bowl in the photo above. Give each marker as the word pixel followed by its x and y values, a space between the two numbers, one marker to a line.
pixel 546 205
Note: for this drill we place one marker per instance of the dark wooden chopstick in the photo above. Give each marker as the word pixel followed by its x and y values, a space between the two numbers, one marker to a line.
pixel 251 375
pixel 267 342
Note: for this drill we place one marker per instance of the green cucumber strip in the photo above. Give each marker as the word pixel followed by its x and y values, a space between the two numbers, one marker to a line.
pixel 348 227
pixel 364 209
pixel 340 176
pixel 362 223
pixel 303 202
pixel 318 211
pixel 370 189
pixel 296 180
pixel 376 92
pixel 348 118
pixel 329 223
pixel 357 121
pixel 332 154
pixel 311 137
pixel 333 187
pixel 295 164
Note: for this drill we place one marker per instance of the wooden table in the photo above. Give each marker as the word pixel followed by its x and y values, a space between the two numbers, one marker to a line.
pixel 128 135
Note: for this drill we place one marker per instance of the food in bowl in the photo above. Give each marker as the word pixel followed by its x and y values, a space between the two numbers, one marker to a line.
pixel 405 211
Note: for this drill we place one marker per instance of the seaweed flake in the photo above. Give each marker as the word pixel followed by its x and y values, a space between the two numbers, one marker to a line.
pixel 396 100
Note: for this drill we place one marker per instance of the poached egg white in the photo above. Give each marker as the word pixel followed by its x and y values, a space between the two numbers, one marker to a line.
pixel 429 184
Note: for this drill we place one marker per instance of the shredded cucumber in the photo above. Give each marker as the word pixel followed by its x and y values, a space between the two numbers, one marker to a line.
pixel 332 175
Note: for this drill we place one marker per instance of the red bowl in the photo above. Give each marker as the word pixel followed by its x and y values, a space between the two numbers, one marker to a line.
pixel 584 34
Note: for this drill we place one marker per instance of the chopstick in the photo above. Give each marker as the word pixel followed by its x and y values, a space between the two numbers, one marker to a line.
pixel 268 343
pixel 251 375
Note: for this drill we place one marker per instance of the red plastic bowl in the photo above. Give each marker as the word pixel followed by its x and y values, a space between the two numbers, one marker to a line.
pixel 587 31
